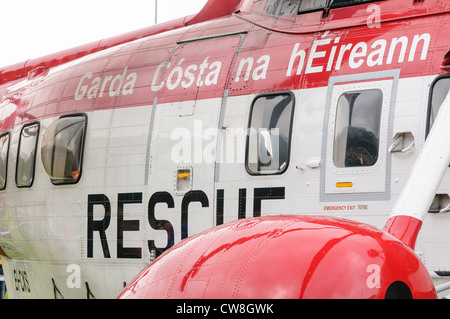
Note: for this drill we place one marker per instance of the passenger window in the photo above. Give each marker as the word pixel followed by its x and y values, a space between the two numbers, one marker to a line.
pixel 268 142
pixel 26 158
pixel 357 128
pixel 62 149
pixel 4 150
pixel 438 93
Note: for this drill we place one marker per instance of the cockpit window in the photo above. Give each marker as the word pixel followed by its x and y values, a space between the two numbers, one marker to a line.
pixel 280 8
pixel 62 149
pixel 312 5
pixel 357 128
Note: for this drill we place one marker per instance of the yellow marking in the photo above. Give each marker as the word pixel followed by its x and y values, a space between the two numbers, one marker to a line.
pixel 344 185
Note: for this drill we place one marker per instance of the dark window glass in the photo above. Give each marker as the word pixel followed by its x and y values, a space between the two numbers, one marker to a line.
pixel 357 128
pixel 62 149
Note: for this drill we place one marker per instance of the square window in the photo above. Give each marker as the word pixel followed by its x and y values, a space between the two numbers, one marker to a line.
pixel 357 128
pixel 62 149
pixel 269 134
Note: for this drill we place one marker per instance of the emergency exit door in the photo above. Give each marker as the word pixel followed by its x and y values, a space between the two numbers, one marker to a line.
pixel 357 136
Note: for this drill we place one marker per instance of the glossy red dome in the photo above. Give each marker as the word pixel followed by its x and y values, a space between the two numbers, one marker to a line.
pixel 286 257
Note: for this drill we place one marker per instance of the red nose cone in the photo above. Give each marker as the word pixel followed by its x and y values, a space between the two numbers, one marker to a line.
pixel 286 257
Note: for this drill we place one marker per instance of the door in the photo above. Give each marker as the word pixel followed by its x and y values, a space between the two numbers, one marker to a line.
pixel 357 136
pixel 185 119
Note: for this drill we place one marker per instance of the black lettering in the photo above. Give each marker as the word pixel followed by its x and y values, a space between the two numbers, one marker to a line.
pixel 242 203
pixel 16 280
pixel 98 225
pixel 268 193
pixel 219 206
pixel 127 225
pixel 189 197
pixel 160 197
pixel 25 282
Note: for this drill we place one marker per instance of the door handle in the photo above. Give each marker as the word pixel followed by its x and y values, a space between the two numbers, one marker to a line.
pixel 403 143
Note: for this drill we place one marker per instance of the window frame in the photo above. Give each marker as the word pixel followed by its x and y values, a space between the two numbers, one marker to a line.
pixel 430 100
pixel 83 140
pixel 335 142
pixel 379 175
pixel 329 5
pixel 291 122
pixel 7 159
pixel 350 3
pixel 32 175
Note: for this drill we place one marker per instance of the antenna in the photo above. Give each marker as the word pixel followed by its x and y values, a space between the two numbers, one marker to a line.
pixel 156 11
